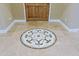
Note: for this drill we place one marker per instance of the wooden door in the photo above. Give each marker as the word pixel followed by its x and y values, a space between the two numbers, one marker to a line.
pixel 37 11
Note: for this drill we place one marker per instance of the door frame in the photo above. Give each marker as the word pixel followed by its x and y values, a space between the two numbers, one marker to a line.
pixel 25 12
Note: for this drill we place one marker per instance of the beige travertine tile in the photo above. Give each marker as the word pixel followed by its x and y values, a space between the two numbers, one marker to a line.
pixel 67 43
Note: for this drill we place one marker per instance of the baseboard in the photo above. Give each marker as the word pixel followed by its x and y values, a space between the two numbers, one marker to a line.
pixel 3 31
pixel 8 28
pixel 74 30
pixel 64 25
pixel 59 21
pixel 54 20
pixel 20 20
pixel 11 25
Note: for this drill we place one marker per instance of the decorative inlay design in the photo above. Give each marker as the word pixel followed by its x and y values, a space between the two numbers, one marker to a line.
pixel 38 38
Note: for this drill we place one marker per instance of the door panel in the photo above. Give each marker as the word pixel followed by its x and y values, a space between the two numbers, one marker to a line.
pixel 37 11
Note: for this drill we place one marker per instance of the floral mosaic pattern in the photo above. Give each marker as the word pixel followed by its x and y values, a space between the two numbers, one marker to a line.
pixel 38 38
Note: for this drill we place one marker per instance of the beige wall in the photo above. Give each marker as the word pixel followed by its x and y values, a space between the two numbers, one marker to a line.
pixel 17 10
pixel 5 15
pixel 71 16
pixel 57 10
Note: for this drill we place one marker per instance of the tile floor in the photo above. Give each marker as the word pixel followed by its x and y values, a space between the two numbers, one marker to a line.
pixel 67 42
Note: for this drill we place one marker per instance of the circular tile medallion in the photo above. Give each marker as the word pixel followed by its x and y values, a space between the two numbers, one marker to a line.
pixel 38 38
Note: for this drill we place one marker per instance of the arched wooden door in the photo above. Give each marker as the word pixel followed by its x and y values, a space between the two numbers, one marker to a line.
pixel 37 11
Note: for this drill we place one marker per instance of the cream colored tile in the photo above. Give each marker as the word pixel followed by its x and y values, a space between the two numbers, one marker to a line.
pixel 67 43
